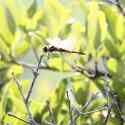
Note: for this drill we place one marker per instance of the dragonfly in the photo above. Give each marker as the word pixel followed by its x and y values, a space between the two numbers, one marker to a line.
pixel 59 45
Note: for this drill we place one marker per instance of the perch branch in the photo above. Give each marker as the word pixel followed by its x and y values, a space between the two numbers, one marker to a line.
pixel 100 108
pixel 16 117
pixel 32 122
pixel 35 73
pixel 51 113
pixel 70 109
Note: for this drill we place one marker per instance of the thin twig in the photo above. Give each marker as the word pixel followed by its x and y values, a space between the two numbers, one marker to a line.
pixel 51 113
pixel 34 79
pixel 46 122
pixel 33 49
pixel 120 7
pixel 85 106
pixel 118 4
pixel 35 54
pixel 23 64
pixel 117 105
pixel 70 109
pixel 106 95
pixel 100 108
pixel 31 66
pixel 93 97
pixel 32 122
pixel 108 114
pixel 16 117
pixel 120 115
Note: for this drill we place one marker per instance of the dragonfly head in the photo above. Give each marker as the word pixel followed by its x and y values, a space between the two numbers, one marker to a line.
pixel 45 49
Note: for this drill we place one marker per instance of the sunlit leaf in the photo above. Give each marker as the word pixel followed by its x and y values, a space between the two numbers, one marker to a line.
pixel 32 9
pixel 58 96
pixel 112 48
pixel 20 45
pixel 58 63
pixel 10 20
pixel 112 65
pixel 36 110
pixel 102 25
pixel 80 88
pixel 4 48
pixel 5 33
pixel 91 26
pixel 56 18
pixel 8 105
pixel 119 29
pixel 77 34
pixel 17 70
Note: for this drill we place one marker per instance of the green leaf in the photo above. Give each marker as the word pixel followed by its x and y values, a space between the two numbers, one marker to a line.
pixel 16 69
pixel 58 63
pixel 92 26
pixel 55 19
pixel 10 20
pixel 58 95
pixel 20 45
pixel 119 28
pixel 67 29
pixel 60 91
pixel 57 98
pixel 7 105
pixel 112 48
pixel 4 50
pixel 112 16
pixel 32 9
pixel 102 25
pixel 97 40
pixel 82 4
pixel 80 88
pixel 112 65
pixel 76 34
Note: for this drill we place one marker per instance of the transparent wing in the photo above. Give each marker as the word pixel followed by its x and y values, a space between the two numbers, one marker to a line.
pixel 66 44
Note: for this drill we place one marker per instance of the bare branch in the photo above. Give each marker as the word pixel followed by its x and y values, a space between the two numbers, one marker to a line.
pixel 85 106
pixel 108 114
pixel 120 7
pixel 99 108
pixel 34 79
pixel 51 113
pixel 46 122
pixel 31 66
pixel 32 122
pixel 116 102
pixel 70 109
pixel 93 97
pixel 16 117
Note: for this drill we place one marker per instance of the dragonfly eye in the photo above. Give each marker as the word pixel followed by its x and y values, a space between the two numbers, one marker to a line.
pixel 45 49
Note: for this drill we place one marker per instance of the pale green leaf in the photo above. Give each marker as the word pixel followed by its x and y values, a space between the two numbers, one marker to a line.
pixel 32 9
pixel 10 20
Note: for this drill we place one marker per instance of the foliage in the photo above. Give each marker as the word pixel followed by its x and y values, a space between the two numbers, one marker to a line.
pixel 95 28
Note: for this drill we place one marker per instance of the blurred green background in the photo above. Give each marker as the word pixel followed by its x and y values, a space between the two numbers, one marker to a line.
pixel 95 27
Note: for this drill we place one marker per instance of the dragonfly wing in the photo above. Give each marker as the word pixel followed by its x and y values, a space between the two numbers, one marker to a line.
pixel 66 44
pixel 53 41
